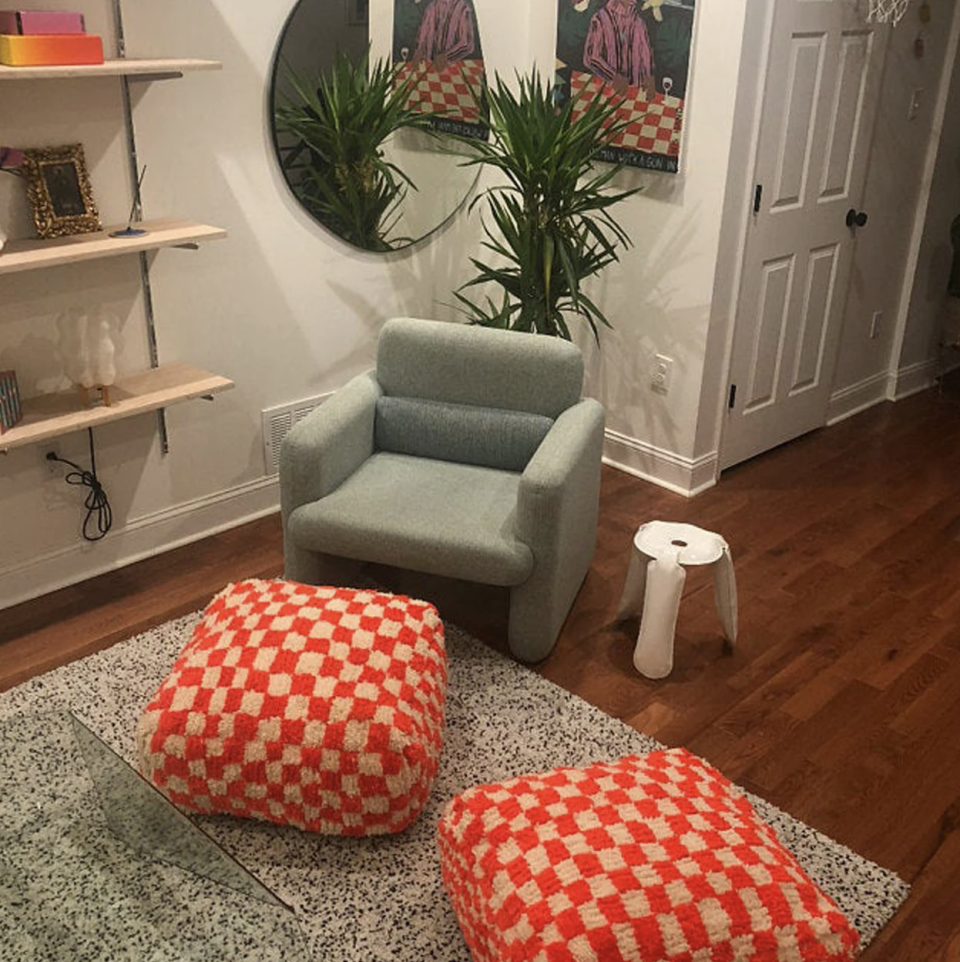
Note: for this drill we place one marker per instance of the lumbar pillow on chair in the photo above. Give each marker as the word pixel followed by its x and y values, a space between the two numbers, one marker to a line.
pixel 315 707
pixel 648 859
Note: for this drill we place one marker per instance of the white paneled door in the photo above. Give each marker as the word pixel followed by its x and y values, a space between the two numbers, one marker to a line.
pixel 816 124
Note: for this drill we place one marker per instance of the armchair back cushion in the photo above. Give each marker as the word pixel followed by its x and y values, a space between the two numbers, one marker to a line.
pixel 489 437
pixel 461 364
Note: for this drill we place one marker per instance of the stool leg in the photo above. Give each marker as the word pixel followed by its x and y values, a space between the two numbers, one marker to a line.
pixel 653 655
pixel 725 591
pixel 631 600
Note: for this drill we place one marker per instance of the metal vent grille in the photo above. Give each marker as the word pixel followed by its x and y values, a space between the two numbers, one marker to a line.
pixel 277 422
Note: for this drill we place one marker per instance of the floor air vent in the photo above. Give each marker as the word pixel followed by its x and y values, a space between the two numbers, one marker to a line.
pixel 278 421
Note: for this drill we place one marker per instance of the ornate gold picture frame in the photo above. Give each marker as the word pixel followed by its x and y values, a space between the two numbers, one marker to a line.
pixel 59 190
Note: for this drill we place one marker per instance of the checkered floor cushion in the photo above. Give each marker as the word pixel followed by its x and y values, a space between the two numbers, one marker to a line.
pixel 315 707
pixel 649 859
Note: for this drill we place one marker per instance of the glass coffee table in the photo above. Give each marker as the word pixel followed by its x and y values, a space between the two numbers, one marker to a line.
pixel 95 864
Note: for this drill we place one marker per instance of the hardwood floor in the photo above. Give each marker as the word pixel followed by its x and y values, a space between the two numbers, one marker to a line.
pixel 841 703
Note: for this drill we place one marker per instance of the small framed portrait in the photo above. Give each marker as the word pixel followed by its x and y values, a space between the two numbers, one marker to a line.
pixel 58 187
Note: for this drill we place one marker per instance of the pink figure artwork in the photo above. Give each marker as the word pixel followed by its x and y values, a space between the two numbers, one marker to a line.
pixel 446 33
pixel 617 48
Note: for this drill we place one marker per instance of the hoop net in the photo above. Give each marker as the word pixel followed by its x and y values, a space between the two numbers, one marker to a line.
pixel 887 11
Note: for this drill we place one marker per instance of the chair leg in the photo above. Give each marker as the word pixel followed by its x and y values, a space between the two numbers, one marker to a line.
pixel 653 655
pixel 631 600
pixel 725 592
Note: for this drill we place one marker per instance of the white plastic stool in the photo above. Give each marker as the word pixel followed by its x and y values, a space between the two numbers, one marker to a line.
pixel 654 585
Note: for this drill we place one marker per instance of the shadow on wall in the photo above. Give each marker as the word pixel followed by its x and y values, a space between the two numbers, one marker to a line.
pixel 648 323
pixel 278 276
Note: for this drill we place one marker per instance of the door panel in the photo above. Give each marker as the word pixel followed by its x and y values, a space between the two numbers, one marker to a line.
pixel 816 124
pixel 768 346
pixel 797 142
pixel 821 284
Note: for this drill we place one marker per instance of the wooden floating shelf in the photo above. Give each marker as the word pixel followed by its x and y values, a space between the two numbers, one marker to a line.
pixel 26 255
pixel 127 67
pixel 52 415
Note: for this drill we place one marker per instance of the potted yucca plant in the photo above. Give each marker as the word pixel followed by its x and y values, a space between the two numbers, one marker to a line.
pixel 335 160
pixel 550 223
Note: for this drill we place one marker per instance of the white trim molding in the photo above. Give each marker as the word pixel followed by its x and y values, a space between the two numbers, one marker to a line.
pixel 912 379
pixel 686 476
pixel 857 397
pixel 142 538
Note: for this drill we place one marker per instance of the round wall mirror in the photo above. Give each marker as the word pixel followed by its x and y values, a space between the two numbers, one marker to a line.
pixel 365 98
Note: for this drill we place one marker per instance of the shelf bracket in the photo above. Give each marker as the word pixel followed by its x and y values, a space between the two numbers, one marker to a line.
pixel 134 163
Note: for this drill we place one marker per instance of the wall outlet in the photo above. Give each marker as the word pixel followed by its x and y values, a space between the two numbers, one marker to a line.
pixel 661 373
pixel 51 467
pixel 876 325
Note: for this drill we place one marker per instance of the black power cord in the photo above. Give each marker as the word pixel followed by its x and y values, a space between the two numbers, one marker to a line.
pixel 96 503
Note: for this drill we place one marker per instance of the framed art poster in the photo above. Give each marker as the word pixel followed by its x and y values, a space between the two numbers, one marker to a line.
pixel 438 44
pixel 637 54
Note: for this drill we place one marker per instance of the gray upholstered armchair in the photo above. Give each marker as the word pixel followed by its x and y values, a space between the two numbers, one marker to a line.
pixel 468 452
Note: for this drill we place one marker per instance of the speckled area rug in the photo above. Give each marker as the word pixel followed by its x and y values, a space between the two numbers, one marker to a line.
pixel 382 898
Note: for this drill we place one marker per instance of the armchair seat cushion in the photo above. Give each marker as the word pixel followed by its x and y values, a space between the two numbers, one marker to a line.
pixel 438 517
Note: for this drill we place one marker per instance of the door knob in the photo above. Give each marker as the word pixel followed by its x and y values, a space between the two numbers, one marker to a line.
pixel 856 218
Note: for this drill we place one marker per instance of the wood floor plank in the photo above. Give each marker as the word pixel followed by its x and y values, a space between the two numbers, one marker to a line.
pixel 840 702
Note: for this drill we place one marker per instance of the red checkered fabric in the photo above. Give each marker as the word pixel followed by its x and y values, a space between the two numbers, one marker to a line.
pixel 653 127
pixel 315 707
pixel 648 859
pixel 452 93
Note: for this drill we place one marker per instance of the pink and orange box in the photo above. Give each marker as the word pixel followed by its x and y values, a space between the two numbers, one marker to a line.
pixel 32 38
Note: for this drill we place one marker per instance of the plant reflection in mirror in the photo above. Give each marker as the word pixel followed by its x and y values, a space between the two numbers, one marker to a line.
pixel 336 165
pixel 550 223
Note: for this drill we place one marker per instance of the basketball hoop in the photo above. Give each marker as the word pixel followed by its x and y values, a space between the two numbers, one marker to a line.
pixel 887 11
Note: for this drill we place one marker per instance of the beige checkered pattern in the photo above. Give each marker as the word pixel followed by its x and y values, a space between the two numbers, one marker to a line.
pixel 647 859
pixel 316 707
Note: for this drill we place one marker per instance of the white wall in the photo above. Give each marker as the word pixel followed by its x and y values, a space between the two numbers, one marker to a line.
pixel 896 198
pixel 925 308
pixel 287 311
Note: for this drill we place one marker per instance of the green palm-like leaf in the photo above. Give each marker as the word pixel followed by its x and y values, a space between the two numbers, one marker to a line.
pixel 337 164
pixel 550 222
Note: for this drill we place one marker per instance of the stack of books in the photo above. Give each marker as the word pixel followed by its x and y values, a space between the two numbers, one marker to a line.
pixel 43 38
pixel 10 410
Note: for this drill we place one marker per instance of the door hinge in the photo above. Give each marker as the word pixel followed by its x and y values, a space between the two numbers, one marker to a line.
pixel 732 398
pixel 757 194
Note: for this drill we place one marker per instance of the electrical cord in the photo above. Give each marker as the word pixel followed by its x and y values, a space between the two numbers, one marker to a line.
pixel 96 503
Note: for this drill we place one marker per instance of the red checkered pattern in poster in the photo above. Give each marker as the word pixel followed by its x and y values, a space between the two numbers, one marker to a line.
pixel 318 707
pixel 452 93
pixel 645 859
pixel 635 53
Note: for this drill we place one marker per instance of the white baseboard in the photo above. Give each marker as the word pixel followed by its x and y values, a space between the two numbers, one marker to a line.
pixel 185 523
pixel 686 476
pixel 147 536
pixel 912 379
pixel 883 386
pixel 857 397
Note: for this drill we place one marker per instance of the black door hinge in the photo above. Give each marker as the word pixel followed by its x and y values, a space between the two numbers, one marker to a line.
pixel 732 399
pixel 757 194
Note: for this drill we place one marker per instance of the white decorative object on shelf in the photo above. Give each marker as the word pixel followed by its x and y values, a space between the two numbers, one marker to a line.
pixel 87 348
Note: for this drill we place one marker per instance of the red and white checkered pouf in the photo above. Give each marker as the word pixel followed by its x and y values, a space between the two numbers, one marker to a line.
pixel 649 859
pixel 316 707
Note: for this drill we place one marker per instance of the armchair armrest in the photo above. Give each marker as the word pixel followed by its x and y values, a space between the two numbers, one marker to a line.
pixel 326 447
pixel 572 446
pixel 557 508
